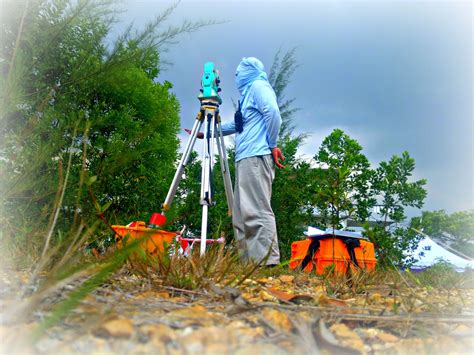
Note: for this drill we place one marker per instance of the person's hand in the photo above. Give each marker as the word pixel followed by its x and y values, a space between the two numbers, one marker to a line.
pixel 277 156
pixel 200 135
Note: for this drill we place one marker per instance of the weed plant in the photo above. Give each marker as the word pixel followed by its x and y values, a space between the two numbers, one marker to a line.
pixel 443 275
pixel 220 265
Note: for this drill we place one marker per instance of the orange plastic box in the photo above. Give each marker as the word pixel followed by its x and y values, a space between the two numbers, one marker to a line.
pixel 154 240
pixel 332 251
pixel 299 250
pixel 365 255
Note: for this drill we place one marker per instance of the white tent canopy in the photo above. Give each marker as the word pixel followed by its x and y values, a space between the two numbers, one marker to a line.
pixel 429 253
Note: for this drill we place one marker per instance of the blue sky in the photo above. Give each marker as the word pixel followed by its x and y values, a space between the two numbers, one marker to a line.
pixel 394 75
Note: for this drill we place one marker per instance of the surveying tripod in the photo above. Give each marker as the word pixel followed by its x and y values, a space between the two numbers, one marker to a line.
pixel 208 116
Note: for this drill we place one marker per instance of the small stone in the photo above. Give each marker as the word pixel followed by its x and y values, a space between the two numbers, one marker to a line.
pixel 117 328
pixel 267 297
pixel 158 333
pixel 287 278
pixel 343 331
pixel 387 338
pixel 247 295
pixel 369 333
pixel 153 294
pixel 196 315
pixel 418 303
pixel 249 282
pixel 278 319
pixel 347 336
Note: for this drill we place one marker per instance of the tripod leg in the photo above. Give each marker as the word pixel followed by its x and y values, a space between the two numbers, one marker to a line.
pixel 205 182
pixel 229 192
pixel 182 164
pixel 213 135
pixel 225 168
pixel 205 211
pixel 206 188
pixel 205 161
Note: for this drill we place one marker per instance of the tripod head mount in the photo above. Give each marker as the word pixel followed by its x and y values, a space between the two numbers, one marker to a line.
pixel 210 84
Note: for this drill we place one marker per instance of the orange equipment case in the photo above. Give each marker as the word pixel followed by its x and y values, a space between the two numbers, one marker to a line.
pixel 332 251
pixel 154 240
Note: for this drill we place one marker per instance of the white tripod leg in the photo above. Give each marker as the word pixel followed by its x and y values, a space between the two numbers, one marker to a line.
pixel 182 164
pixel 205 181
pixel 205 210
pixel 229 193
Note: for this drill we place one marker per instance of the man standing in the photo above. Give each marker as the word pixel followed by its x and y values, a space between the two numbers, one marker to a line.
pixel 256 126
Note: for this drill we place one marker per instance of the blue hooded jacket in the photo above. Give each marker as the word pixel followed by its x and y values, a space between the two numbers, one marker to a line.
pixel 261 115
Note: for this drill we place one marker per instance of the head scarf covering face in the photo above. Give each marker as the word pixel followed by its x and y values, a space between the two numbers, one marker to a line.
pixel 249 70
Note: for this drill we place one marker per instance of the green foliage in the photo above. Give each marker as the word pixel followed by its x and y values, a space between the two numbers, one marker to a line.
pixel 346 187
pixel 391 183
pixel 133 148
pixel 66 94
pixel 343 191
pixel 392 244
pixel 442 275
pixel 281 71
pixel 459 226
pixel 392 236
pixel 88 134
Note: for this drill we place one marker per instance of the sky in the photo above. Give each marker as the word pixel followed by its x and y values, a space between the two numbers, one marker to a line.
pixel 394 75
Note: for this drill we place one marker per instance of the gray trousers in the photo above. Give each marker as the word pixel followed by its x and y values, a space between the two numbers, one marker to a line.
pixel 253 217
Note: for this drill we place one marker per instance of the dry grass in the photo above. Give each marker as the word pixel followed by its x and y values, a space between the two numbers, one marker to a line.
pixel 219 265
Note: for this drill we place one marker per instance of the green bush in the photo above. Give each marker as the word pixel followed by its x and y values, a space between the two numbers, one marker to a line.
pixel 443 275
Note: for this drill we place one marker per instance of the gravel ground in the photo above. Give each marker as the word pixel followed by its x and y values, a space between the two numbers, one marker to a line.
pixel 279 314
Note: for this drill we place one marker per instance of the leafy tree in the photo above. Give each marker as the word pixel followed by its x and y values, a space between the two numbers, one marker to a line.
pixel 282 69
pixel 393 245
pixel 391 183
pixel 343 191
pixel 458 225
pixel 395 192
pixel 133 146
pixel 85 126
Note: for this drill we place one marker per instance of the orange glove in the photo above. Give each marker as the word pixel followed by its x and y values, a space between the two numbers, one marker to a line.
pixel 277 156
